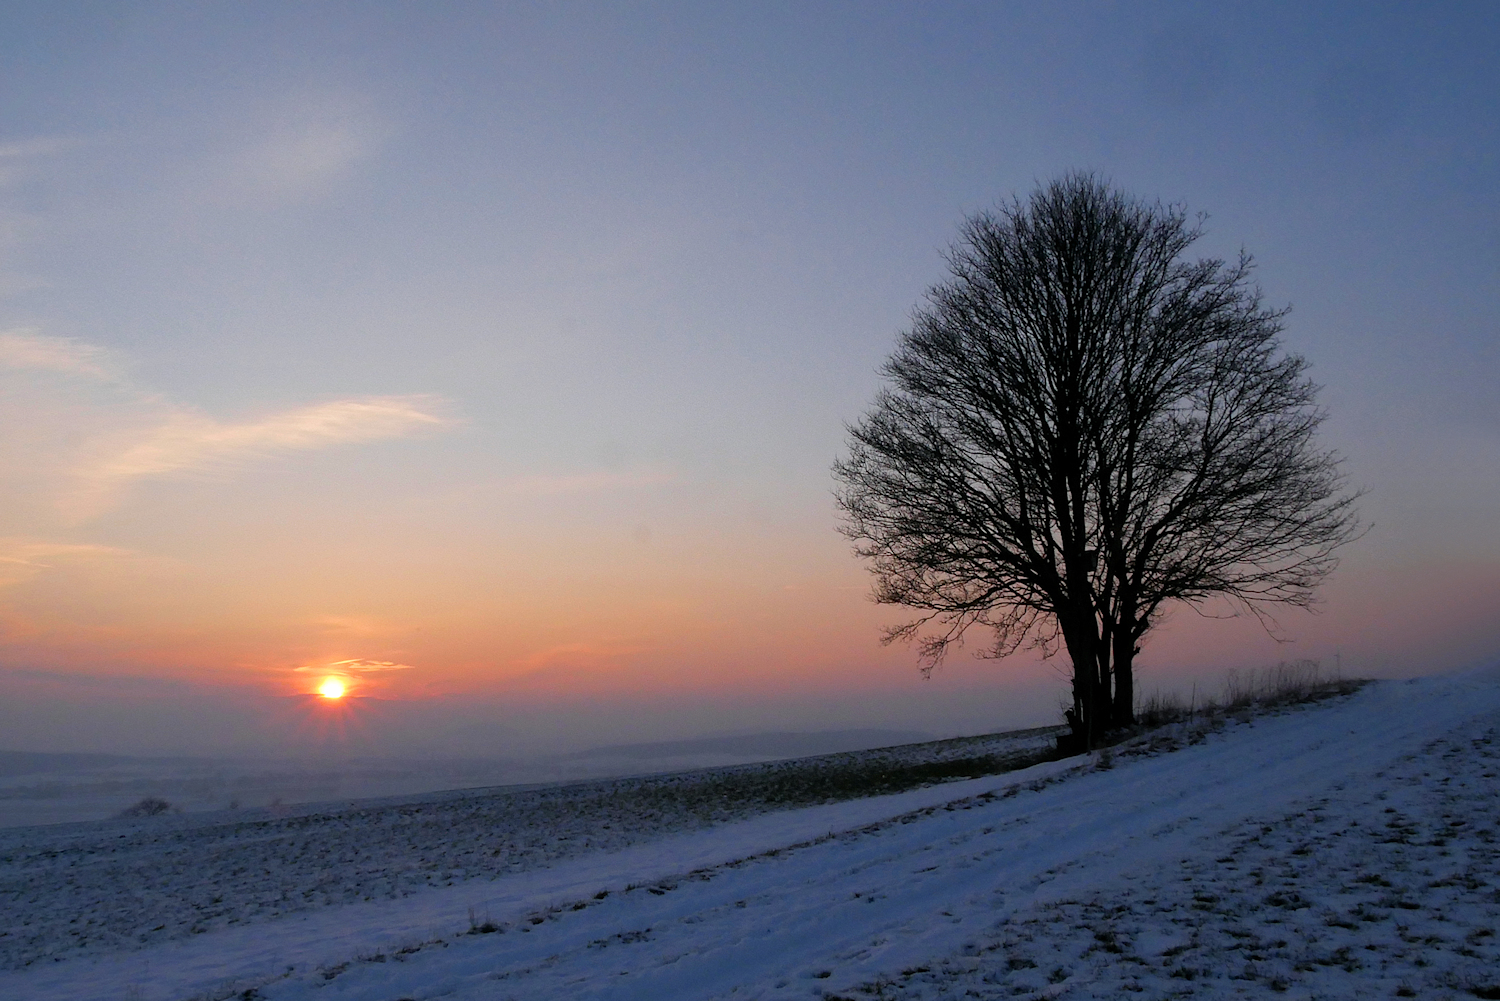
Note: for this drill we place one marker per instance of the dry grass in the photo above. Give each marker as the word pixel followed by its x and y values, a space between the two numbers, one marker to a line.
pixel 1284 684
pixel 1288 683
pixel 1160 709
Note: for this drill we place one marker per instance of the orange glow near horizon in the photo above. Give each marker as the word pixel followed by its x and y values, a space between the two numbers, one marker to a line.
pixel 332 688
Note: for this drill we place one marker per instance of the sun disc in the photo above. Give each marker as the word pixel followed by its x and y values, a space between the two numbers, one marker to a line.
pixel 332 688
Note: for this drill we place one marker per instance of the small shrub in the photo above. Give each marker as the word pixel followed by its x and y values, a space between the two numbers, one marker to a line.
pixel 151 806
pixel 481 924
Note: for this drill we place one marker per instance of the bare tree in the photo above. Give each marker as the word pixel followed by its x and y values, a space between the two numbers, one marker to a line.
pixel 1081 427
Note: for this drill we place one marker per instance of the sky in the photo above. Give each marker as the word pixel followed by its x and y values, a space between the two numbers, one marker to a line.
pixel 493 357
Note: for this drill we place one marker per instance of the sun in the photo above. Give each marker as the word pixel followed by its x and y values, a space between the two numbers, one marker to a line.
pixel 331 688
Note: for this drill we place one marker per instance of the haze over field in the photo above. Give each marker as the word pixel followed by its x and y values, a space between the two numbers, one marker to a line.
pixel 491 359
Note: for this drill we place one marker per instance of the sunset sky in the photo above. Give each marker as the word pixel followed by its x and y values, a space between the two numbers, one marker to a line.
pixel 493 357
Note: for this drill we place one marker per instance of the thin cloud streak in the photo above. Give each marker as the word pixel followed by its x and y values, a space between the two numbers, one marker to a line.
pixel 358 665
pixel 19 156
pixel 303 145
pixel 190 442
pixel 129 434
pixel 26 349
pixel 22 559
pixel 22 149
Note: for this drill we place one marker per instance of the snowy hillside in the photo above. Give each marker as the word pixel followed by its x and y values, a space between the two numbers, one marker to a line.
pixel 1336 850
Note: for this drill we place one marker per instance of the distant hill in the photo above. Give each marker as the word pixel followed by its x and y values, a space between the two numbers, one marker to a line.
pixel 764 745
pixel 14 763
pixel 46 788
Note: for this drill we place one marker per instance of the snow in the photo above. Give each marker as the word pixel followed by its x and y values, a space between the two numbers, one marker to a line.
pixel 1336 850
pixel 46 788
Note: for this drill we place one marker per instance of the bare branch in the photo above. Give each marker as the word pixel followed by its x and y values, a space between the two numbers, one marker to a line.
pixel 1081 426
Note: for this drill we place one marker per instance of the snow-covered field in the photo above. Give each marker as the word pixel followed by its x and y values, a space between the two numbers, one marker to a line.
pixel 1343 849
pixel 48 788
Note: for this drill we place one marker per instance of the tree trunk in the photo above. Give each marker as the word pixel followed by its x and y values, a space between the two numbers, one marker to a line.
pixel 1124 701
pixel 1090 698
pixel 1100 721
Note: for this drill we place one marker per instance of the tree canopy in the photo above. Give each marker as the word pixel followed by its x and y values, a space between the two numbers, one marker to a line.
pixel 1080 427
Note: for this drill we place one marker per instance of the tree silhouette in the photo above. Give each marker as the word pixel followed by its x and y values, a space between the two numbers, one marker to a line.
pixel 1081 427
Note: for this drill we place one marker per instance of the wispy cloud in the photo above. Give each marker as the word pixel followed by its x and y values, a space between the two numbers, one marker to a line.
pixel 22 559
pixel 87 439
pixel 358 665
pixel 25 149
pixel 585 657
pixel 27 349
pixel 191 442
pixel 21 155
pixel 185 443
pixel 350 625
pixel 23 160
pixel 303 144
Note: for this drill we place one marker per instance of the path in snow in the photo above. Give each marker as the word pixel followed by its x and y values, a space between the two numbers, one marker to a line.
pixel 939 902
